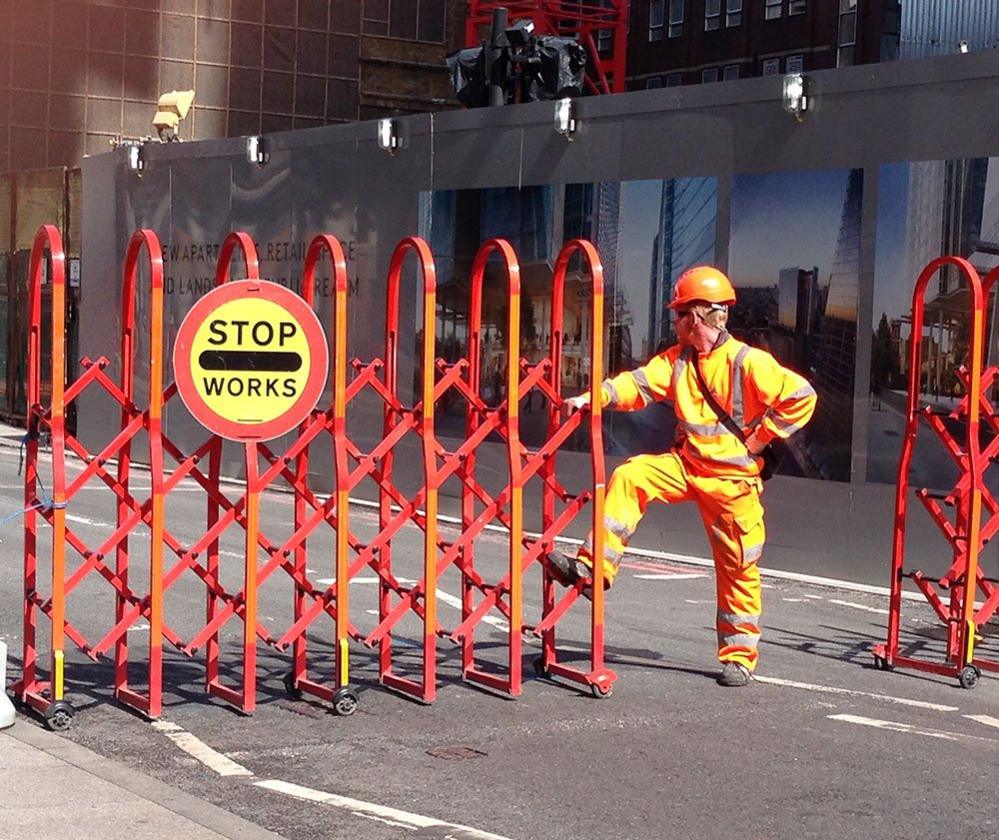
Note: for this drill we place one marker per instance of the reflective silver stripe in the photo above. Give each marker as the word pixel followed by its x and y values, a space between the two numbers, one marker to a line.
pixel 609 553
pixel 705 429
pixel 737 620
pixel 747 640
pixel 805 390
pixel 685 356
pixel 619 529
pixel 733 460
pixel 784 426
pixel 614 399
pixel 737 375
pixel 642 383
pixel 752 553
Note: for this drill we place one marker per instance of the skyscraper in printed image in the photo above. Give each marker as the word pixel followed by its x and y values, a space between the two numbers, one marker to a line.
pixel 833 362
pixel 686 237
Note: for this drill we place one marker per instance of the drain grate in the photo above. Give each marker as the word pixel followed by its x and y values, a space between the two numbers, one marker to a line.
pixel 457 753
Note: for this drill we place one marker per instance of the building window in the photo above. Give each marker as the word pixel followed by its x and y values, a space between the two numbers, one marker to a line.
pixel 773 9
pixel 657 12
pixel 675 18
pixel 653 82
pixel 712 15
pixel 771 67
pixel 797 7
pixel 709 74
pixel 733 13
pixel 730 72
pixel 605 37
pixel 674 79
pixel 795 64
pixel 847 32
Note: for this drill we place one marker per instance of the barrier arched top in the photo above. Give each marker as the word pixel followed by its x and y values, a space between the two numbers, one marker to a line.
pixel 243 241
pixel 47 236
pixel 977 308
pixel 589 252
pixel 147 239
pixel 505 250
pixel 325 243
pixel 321 243
pixel 429 272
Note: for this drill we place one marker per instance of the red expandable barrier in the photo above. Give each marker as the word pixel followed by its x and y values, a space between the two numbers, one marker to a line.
pixel 265 558
pixel 953 594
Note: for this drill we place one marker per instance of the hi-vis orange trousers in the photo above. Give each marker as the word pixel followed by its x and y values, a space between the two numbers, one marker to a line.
pixel 733 519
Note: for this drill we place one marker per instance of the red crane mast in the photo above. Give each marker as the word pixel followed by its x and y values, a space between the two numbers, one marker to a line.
pixel 600 25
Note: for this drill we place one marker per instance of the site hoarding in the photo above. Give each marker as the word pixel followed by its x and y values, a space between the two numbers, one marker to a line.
pixel 716 174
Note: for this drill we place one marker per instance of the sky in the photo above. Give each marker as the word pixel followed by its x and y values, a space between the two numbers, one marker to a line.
pixel 782 220
pixel 892 289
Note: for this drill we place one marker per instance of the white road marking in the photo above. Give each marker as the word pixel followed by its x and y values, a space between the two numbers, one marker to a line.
pixel 812 597
pixel 793 600
pixel 854 606
pixel 896 726
pixel 834 689
pixel 381 813
pixel 668 577
pixel 194 747
pixel 988 720
pixel 225 766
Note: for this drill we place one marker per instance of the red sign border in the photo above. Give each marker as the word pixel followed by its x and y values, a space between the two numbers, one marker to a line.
pixel 315 336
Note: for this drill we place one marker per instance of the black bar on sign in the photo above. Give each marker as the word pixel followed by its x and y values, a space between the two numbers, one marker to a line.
pixel 250 360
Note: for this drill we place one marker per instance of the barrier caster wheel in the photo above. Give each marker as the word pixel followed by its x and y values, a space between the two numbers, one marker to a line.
pixel 882 664
pixel 601 692
pixel 539 667
pixel 289 685
pixel 59 716
pixel 969 676
pixel 345 702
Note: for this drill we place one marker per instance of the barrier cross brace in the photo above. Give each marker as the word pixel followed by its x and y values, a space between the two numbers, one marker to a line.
pixel 966 534
pixel 111 464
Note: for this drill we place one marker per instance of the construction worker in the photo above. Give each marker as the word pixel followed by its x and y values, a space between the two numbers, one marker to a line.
pixel 710 463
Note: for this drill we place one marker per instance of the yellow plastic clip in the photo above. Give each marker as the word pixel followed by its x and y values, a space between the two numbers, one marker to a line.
pixel 344 663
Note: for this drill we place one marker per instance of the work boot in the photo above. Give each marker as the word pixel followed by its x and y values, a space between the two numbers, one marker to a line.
pixel 563 568
pixel 734 675
pixel 569 571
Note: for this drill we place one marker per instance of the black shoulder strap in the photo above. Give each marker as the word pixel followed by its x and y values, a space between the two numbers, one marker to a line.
pixel 723 416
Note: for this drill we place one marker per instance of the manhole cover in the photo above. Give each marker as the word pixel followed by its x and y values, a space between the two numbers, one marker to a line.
pixel 455 753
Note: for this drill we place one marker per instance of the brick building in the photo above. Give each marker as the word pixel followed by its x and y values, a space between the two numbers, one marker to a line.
pixel 74 74
pixel 681 42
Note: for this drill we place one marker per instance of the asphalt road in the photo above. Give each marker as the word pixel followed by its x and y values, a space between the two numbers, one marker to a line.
pixel 823 745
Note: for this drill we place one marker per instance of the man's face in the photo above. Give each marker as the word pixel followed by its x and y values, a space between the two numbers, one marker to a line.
pixel 691 328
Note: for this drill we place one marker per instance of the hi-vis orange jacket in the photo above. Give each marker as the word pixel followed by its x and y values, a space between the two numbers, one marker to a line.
pixel 761 396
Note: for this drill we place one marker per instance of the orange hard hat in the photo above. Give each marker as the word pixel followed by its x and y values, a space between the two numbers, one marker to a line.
pixel 702 282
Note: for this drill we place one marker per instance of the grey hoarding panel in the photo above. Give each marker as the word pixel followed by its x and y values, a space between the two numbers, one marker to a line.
pixel 337 179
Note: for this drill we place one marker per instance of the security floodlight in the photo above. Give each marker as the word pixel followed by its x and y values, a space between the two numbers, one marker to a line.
pixel 565 121
pixel 256 150
pixel 136 158
pixel 519 35
pixel 171 108
pixel 795 94
pixel 962 46
pixel 387 137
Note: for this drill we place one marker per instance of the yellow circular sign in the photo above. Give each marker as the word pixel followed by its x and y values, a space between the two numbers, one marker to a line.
pixel 250 360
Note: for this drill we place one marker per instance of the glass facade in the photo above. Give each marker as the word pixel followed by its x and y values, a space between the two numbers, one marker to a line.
pixel 927 209
pixel 647 233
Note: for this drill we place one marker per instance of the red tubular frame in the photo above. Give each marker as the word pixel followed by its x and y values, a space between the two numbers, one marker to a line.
pixel 40 694
pixel 965 535
pixel 599 678
pixel 351 555
pixel 570 18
